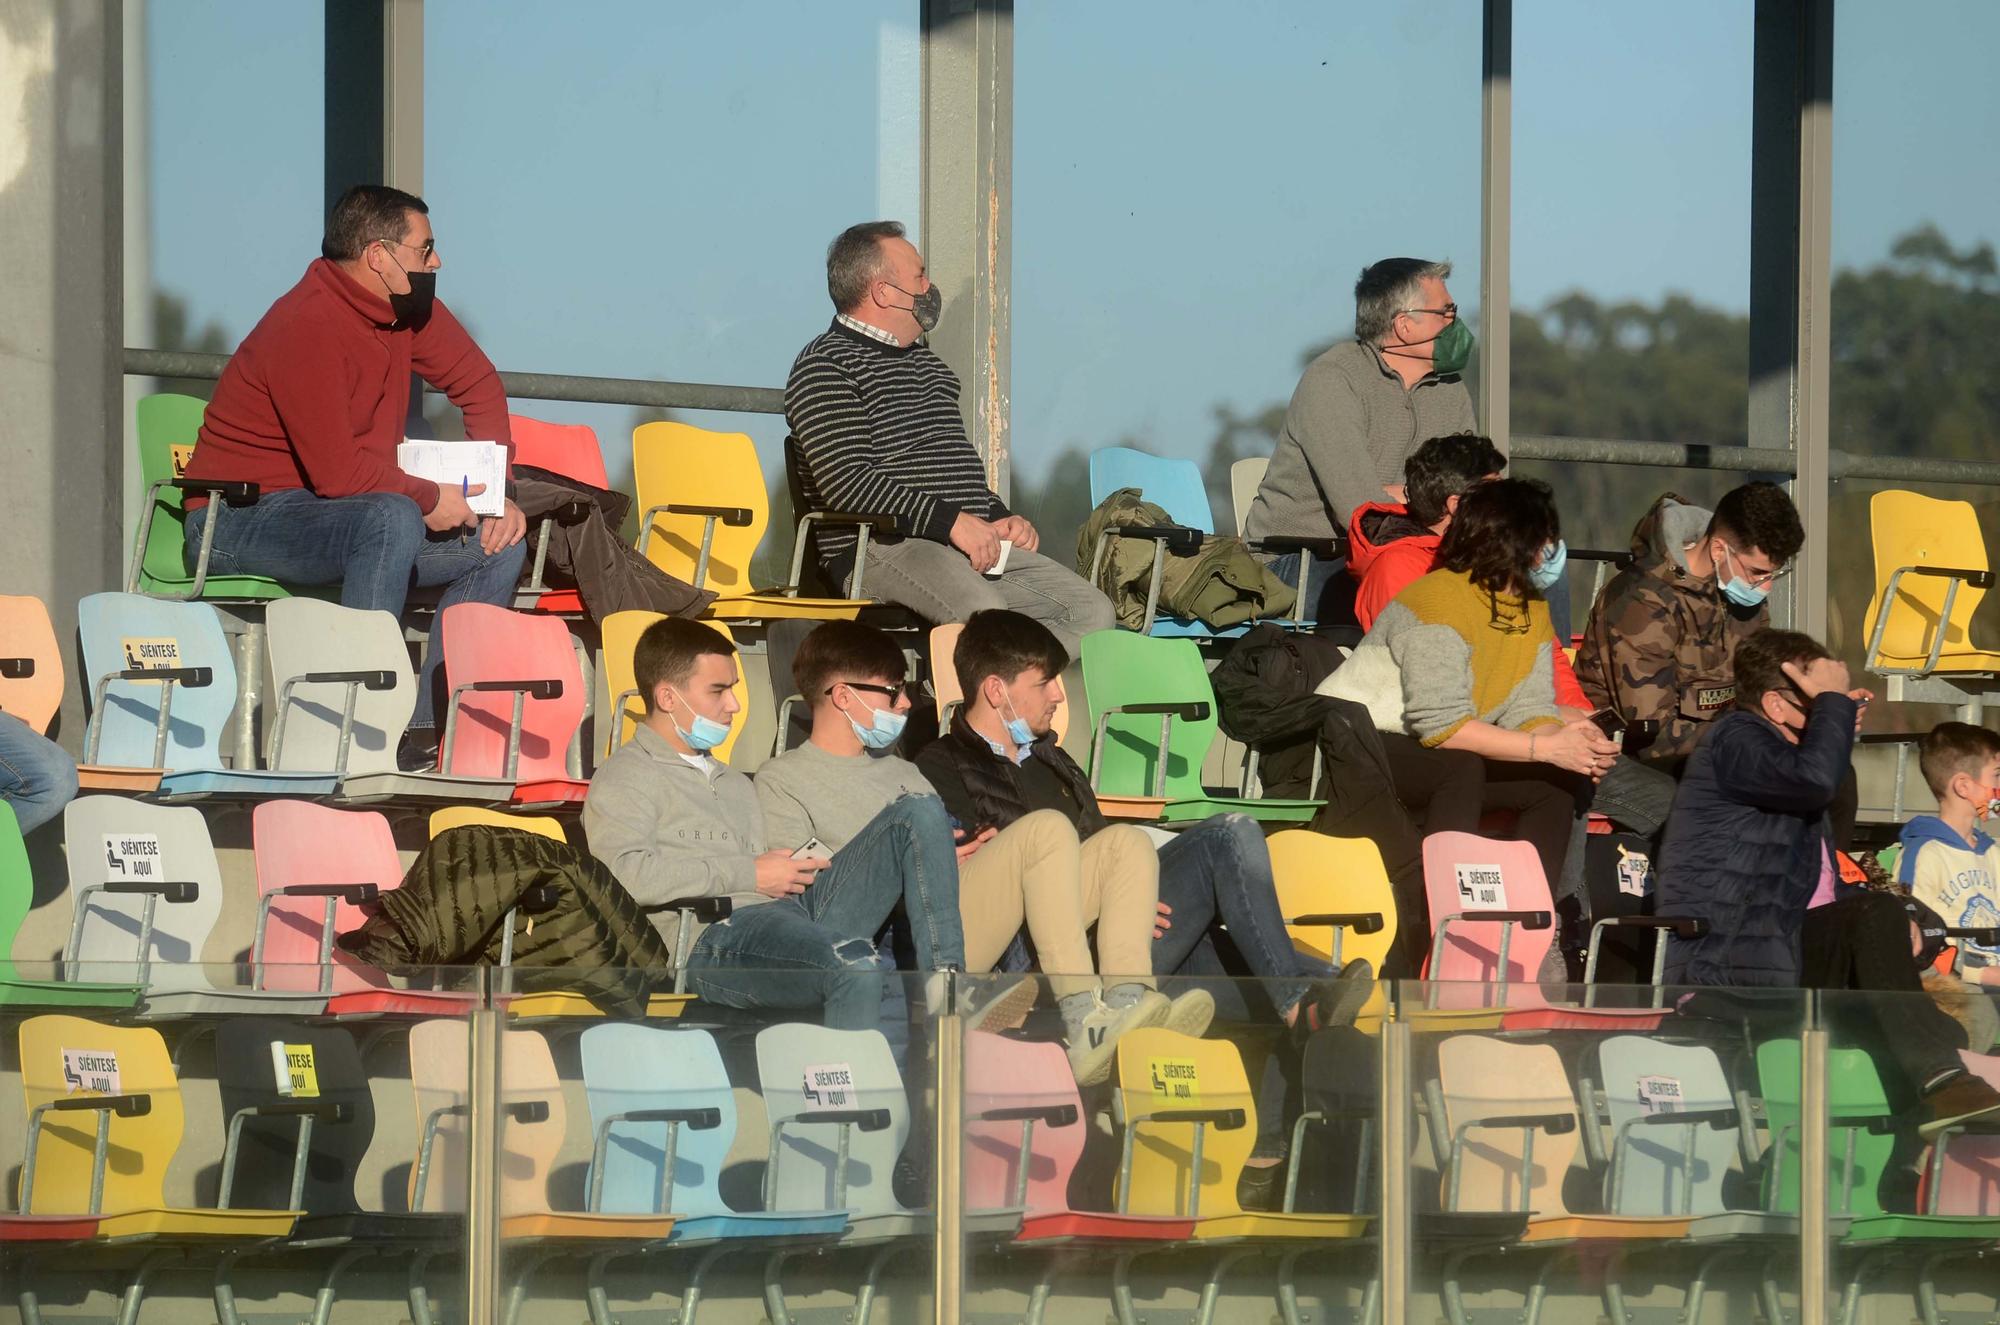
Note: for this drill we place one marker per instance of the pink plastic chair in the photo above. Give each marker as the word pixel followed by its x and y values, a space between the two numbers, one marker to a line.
pixel 517 699
pixel 1492 920
pixel 1964 1175
pixel 313 865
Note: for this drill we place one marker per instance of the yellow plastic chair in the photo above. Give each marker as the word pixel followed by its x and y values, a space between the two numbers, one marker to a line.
pixel 704 509
pixel 461 816
pixel 621 631
pixel 131 1098
pixel 1337 903
pixel 1931 569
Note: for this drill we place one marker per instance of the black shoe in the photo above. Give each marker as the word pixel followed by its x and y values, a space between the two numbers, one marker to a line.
pixel 417 752
pixel 1261 1187
pixel 1335 1002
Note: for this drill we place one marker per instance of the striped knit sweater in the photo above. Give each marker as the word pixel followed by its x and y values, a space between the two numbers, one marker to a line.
pixel 879 433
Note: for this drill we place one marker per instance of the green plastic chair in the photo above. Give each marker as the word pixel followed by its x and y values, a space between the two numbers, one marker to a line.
pixel 17 896
pixel 159 567
pixel 1155 720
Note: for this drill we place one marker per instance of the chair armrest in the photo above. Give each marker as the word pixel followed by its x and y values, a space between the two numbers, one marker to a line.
pixel 701 1120
pixel 538 897
pixel 547 688
pixel 1049 1115
pixel 326 1111
pixel 1621 558
pixel 125 1106
pixel 708 910
pixel 1361 922
pixel 1181 540
pixel 1986 936
pixel 1977 579
pixel 868 1120
pixel 352 893
pixel 880 523
pixel 1327 549
pixel 1686 927
pixel 195 677
pixel 526 1111
pixel 1227 1120
pixel 1719 1119
pixel 172 893
pixel 236 492
pixel 1186 711
pixel 17 669
pixel 1525 919
pixel 1555 1124
pixel 1888 738
pixel 733 516
pixel 366 680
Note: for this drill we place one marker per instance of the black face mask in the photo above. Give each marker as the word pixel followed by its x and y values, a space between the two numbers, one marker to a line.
pixel 927 307
pixel 414 309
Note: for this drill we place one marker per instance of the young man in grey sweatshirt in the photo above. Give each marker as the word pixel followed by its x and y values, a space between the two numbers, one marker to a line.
pixel 671 821
pixel 1035 872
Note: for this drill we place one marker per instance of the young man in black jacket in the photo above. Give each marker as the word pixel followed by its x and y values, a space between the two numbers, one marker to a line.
pixel 1749 849
pixel 999 761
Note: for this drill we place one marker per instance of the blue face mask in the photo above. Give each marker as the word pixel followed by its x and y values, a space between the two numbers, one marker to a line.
pixel 882 731
pixel 1738 591
pixel 1550 568
pixel 706 733
pixel 1018 730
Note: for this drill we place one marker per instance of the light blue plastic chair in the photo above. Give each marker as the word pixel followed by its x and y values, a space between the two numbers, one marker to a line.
pixel 172 721
pixel 1659 1166
pixel 1176 487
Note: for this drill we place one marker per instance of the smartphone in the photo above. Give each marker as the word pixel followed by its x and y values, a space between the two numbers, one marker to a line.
pixel 814 849
pixel 1610 723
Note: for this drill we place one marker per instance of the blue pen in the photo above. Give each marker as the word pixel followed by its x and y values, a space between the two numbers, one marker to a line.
pixel 464 495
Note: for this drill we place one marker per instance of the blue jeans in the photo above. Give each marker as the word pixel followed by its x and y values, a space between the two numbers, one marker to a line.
pixel 1319 573
pixel 374 546
pixel 36 777
pixel 817 948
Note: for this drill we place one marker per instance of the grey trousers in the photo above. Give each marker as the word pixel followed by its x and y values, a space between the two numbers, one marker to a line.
pixel 938 583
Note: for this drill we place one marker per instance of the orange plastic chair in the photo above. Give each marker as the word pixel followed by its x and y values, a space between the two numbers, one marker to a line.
pixel 517 701
pixel 31 670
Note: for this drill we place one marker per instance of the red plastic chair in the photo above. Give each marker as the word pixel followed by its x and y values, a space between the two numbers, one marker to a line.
pixel 517 701
pixel 568 449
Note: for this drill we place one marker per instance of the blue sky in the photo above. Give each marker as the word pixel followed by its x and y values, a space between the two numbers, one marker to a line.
pixel 637 189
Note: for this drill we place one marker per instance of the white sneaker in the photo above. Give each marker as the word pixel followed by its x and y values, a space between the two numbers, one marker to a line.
pixel 1095 1046
pixel 1190 1013
pixel 1003 1010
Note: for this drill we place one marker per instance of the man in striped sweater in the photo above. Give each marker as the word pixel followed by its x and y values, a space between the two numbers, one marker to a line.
pixel 875 413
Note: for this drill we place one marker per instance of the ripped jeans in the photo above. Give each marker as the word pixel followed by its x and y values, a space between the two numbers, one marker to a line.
pixel 817 948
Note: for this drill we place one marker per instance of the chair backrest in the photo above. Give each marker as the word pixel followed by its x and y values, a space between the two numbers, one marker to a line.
pixel 681 464
pixel 628 1068
pixel 1970 1174
pixel 807 1070
pixel 1173 485
pixel 1641 1077
pixel 270 1062
pixel 568 449
pixel 1245 477
pixel 306 635
pixel 1340 1076
pixel 1465 872
pixel 440 1077
pixel 459 816
pixel 1162 1071
pixel 17 885
pixel 63 1056
pixel 114 840
pixel 487 643
pixel 1480 1077
pixel 621 631
pixel 1910 529
pixel 1854 1098
pixel 1120 667
pixel 1321 875
pixel 122 630
pixel 1005 1073
pixel 298 842
pixel 167 425
pixel 26 632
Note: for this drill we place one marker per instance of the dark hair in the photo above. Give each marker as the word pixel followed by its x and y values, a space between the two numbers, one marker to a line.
pixel 1499 533
pixel 364 214
pixel 1005 644
pixel 1951 748
pixel 1386 289
pixel 844 651
pixel 1760 665
pixel 668 651
pixel 1447 467
pixel 1759 517
pixel 854 261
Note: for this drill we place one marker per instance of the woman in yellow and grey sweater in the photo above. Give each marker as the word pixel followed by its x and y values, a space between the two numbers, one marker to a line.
pixel 1457 674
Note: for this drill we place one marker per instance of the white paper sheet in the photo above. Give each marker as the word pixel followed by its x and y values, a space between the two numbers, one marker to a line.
pixel 470 463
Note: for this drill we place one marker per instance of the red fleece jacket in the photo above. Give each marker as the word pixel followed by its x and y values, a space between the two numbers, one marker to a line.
pixel 317 394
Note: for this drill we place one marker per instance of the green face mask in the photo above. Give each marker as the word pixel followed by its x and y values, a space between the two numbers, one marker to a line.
pixel 1451 349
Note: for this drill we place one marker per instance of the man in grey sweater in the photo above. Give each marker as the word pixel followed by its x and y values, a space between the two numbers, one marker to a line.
pixel 1361 409
pixel 671 821
pixel 1035 872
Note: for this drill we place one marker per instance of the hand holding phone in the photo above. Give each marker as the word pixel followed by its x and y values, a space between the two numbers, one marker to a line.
pixel 814 849
pixel 1610 722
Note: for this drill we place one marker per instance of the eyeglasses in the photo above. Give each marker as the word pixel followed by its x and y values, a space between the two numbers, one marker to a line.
pixel 1449 311
pixel 426 250
pixel 890 693
pixel 1760 580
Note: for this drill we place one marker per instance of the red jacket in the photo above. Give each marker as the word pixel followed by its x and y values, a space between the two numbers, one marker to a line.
pixel 1386 569
pixel 317 394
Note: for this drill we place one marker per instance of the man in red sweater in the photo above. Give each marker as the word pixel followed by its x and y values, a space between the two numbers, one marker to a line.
pixel 311 408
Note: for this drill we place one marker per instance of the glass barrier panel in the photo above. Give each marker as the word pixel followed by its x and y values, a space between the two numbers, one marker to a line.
pixel 191 1142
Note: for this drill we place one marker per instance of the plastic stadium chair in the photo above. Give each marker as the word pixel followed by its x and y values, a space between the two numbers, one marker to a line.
pixel 1187 1120
pixel 168 424
pixel 1492 920
pixel 663 1117
pixel 31 666
pixel 517 702
pixel 1245 477
pixel 36 987
pixel 621 631
pixel 162 685
pixel 458 816
pixel 316 866
pixel 704 509
pixel 1176 487
pixel 1335 896
pixel 1674 1126
pixel 1155 716
pixel 571 451
pixel 101 1149
pixel 532 1124
pixel 146 892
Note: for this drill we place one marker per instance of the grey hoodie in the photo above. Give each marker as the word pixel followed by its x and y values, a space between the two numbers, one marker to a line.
pixel 668 830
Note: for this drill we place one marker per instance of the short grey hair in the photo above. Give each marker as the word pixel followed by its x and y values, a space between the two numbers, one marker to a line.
pixel 1386 289
pixel 854 261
